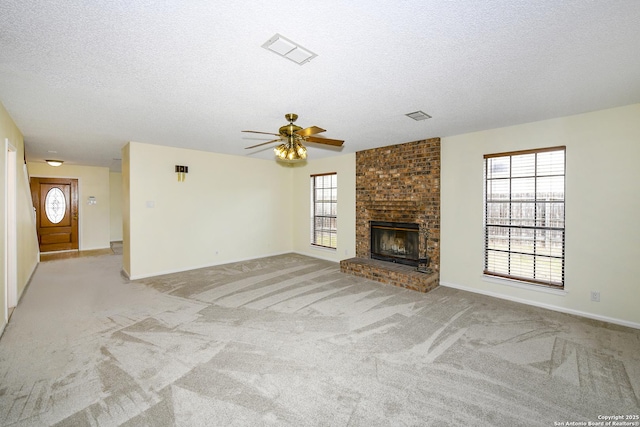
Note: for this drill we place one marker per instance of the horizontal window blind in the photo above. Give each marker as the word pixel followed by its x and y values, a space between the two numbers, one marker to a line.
pixel 524 224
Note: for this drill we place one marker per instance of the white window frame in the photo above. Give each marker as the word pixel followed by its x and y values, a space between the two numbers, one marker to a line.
pixel 324 212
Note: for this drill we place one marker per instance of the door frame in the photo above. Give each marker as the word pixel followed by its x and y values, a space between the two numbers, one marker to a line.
pixel 11 229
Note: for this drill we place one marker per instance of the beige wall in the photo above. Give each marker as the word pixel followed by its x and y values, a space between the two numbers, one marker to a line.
pixel 94 220
pixel 345 167
pixel 126 212
pixel 27 254
pixel 115 206
pixel 229 208
pixel 602 211
pixel 6 127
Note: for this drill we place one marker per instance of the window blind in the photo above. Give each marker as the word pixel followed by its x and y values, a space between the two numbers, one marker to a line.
pixel 524 224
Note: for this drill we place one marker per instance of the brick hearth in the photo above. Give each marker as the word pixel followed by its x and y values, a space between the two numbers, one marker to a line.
pixel 400 275
pixel 399 183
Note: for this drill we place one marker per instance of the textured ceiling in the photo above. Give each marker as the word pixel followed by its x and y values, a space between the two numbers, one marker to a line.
pixel 82 78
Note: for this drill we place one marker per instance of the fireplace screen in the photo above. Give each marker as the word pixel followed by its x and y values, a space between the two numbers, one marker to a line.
pixel 395 242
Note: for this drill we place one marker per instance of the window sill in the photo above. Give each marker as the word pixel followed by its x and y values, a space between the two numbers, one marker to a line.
pixel 523 285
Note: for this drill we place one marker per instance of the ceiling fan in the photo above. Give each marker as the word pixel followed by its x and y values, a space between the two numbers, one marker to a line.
pixel 292 136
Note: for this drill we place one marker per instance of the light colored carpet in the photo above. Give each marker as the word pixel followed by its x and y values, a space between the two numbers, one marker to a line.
pixel 289 340
pixel 116 247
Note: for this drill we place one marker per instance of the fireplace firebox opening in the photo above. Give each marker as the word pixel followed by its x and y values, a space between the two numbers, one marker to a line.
pixel 395 242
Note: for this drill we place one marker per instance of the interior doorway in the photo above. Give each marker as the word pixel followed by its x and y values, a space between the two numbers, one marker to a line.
pixel 55 201
pixel 11 263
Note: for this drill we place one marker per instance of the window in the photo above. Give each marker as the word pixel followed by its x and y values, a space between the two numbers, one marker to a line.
pixel 55 206
pixel 324 201
pixel 524 215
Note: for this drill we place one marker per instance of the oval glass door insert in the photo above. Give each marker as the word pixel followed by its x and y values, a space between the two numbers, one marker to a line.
pixel 55 205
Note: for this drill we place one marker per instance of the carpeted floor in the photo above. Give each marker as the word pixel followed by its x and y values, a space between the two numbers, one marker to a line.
pixel 289 340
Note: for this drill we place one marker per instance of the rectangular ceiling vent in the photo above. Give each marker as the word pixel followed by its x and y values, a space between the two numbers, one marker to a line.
pixel 418 115
pixel 288 49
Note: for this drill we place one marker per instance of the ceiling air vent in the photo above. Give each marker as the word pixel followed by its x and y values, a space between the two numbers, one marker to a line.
pixel 288 49
pixel 418 115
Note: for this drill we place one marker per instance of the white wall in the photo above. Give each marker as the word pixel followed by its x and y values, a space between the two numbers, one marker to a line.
pixel 115 206
pixel 229 208
pixel 345 167
pixel 602 211
pixel 93 220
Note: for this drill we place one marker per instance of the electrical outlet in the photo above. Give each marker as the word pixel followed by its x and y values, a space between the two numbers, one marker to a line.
pixel 595 296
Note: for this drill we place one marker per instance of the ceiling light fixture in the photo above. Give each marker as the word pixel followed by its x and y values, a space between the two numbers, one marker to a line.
pixel 418 115
pixel 291 151
pixel 288 49
pixel 55 163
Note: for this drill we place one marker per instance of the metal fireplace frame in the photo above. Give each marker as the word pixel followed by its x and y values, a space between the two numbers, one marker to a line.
pixel 413 260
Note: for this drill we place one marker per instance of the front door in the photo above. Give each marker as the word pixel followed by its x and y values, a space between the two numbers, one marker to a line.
pixel 55 201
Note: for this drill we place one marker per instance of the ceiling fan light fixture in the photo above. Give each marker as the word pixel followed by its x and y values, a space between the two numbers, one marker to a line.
pixel 289 49
pixel 418 115
pixel 291 139
pixel 301 150
pixel 281 151
pixel 291 152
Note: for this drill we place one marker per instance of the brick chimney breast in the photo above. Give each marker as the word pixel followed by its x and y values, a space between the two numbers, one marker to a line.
pixel 399 183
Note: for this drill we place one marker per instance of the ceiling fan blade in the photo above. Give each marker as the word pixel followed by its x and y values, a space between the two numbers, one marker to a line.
pixel 264 143
pixel 309 131
pixel 264 133
pixel 328 141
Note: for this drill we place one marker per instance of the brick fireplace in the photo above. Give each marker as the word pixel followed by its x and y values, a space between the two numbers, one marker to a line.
pixel 398 184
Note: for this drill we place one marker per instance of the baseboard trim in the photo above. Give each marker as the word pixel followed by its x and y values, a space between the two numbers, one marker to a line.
pixel 97 248
pixel 26 286
pixel 588 315
pixel 24 291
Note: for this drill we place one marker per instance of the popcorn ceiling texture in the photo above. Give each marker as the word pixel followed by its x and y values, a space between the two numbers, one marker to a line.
pixel 85 77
